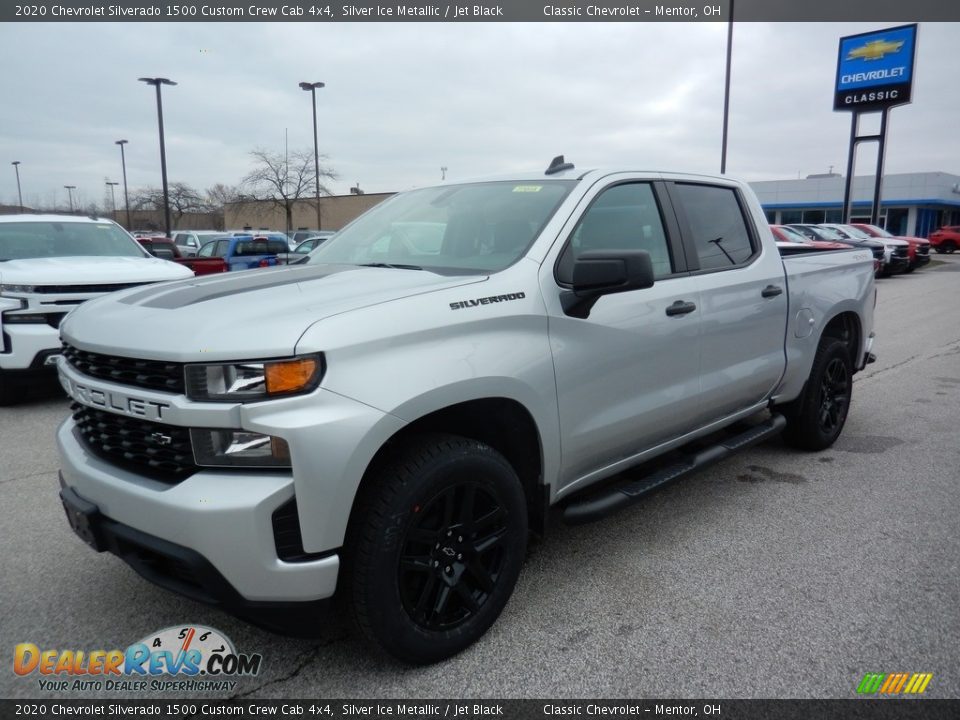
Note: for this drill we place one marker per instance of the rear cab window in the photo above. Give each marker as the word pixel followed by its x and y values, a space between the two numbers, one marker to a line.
pixel 715 226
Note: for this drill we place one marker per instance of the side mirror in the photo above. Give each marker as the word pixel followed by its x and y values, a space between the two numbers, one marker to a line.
pixel 604 272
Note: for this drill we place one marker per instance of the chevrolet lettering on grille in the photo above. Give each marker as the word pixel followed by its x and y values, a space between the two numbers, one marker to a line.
pixel 113 401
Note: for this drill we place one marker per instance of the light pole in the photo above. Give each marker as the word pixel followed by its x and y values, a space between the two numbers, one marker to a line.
pixel 312 87
pixel 70 189
pixel 16 168
pixel 113 198
pixel 157 82
pixel 126 197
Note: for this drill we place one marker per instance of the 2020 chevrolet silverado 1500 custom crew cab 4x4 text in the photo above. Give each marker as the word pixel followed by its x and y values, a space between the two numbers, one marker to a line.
pixel 397 413
pixel 50 264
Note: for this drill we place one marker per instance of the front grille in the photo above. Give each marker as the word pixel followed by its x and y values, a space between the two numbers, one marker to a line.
pixel 162 452
pixel 923 250
pixel 149 374
pixel 68 289
pixel 900 252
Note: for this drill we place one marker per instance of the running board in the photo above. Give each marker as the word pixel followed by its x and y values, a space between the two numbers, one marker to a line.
pixel 620 496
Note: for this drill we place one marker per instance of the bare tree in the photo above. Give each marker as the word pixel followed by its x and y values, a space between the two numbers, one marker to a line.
pixel 283 180
pixel 216 197
pixel 183 199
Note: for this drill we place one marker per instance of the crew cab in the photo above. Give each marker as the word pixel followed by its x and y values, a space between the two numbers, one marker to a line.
pixel 395 415
pixel 49 265
pixel 238 252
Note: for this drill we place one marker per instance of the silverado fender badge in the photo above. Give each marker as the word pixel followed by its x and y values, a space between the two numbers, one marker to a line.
pixel 487 300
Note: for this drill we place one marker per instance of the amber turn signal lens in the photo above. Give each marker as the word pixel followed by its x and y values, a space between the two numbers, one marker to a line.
pixel 290 376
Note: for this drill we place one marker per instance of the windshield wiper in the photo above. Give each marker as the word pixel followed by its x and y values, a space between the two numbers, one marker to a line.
pixel 391 265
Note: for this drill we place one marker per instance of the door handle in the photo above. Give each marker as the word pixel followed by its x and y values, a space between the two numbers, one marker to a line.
pixel 771 291
pixel 681 307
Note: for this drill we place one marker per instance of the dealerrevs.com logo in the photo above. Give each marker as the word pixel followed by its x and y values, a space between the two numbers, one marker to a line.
pixel 190 652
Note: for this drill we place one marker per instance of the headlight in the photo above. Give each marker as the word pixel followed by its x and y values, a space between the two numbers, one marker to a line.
pixel 17 288
pixel 238 448
pixel 254 381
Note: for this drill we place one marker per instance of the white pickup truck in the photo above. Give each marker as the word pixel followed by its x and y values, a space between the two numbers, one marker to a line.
pixel 390 419
pixel 49 264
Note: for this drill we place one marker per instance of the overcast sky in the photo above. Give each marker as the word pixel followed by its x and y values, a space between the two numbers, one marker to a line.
pixel 404 99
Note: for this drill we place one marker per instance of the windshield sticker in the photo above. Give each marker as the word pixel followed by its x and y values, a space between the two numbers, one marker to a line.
pixel 527 188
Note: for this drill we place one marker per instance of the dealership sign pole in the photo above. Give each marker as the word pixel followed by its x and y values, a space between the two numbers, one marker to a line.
pixel 874 74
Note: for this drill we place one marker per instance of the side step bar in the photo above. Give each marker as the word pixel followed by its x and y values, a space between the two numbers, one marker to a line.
pixel 620 496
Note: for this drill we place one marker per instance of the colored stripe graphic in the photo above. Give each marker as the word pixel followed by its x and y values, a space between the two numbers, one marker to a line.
pixel 894 683
pixel 871 683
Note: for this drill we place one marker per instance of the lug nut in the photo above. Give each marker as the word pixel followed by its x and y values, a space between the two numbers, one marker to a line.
pixel 449 569
pixel 460 538
pixel 459 556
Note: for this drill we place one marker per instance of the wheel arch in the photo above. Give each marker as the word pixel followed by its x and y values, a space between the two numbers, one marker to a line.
pixel 503 423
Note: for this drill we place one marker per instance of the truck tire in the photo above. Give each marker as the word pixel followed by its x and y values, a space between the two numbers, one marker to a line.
pixel 10 393
pixel 434 549
pixel 816 418
pixel 949 247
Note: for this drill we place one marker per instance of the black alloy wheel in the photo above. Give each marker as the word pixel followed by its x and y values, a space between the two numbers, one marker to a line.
pixel 816 418
pixel 452 556
pixel 436 540
pixel 834 396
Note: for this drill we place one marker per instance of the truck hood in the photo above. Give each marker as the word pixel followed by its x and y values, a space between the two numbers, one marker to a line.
pixel 89 271
pixel 238 315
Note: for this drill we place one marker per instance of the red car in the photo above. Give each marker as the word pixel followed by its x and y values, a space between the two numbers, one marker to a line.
pixel 946 239
pixel 918 253
pixel 784 233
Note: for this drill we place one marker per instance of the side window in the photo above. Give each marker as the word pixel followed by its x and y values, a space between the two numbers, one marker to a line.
pixel 716 224
pixel 207 250
pixel 623 217
pixel 180 238
pixel 221 248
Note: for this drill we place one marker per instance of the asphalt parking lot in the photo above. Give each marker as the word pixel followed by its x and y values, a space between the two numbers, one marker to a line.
pixel 774 574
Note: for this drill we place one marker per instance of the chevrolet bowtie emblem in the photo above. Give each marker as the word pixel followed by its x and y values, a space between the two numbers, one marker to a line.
pixel 875 50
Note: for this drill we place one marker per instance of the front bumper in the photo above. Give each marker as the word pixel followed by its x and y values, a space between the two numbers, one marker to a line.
pixel 896 265
pixel 27 346
pixel 193 537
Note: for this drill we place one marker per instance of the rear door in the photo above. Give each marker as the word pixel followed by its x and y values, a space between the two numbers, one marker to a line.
pixel 743 296
pixel 628 375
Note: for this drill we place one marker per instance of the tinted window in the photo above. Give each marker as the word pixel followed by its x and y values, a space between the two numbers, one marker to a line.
pixel 716 224
pixel 624 217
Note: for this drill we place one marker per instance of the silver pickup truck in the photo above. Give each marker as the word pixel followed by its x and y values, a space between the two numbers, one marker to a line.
pixel 392 418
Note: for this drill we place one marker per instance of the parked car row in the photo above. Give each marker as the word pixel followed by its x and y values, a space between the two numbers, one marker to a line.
pixel 892 254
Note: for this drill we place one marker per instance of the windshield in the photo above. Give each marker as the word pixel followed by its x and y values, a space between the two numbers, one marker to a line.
pixel 474 228
pixel 848 231
pixel 791 235
pixel 826 233
pixel 880 232
pixel 25 240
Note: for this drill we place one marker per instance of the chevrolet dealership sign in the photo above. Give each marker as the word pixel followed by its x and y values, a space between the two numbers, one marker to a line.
pixel 875 69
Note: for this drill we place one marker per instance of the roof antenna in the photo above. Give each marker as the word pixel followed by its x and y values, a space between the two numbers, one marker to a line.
pixel 558 165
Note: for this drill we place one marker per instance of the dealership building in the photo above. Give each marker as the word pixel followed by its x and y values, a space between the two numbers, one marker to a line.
pixel 910 203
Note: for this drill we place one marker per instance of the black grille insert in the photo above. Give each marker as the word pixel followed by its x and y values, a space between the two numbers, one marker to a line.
pixel 162 452
pixel 287 537
pixel 150 374
pixel 69 289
